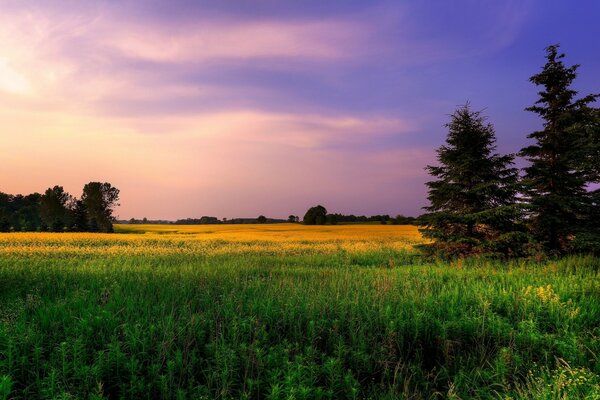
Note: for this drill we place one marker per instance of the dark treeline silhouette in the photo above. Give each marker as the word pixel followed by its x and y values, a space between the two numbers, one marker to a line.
pixel 384 219
pixel 58 211
pixel 197 221
pixel 145 221
pixel 481 204
pixel 318 215
pixel 205 220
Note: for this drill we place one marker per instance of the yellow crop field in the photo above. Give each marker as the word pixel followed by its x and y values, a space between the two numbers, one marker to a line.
pixel 217 239
pixel 282 232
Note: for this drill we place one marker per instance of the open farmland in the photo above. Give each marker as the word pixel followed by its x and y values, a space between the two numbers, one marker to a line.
pixel 288 311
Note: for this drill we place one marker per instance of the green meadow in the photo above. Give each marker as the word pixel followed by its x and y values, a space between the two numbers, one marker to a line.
pixel 186 316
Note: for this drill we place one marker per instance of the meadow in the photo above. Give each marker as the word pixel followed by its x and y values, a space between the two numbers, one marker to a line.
pixel 288 311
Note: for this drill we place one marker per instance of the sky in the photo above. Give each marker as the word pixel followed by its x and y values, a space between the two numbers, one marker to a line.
pixel 238 108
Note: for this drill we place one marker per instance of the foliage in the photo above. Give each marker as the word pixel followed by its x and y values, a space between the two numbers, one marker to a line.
pixel 315 216
pixel 54 209
pixel 341 218
pixel 20 213
pixel 79 217
pixel 258 312
pixel 563 159
pixel 100 199
pixel 473 207
pixel 189 221
pixel 404 220
pixel 58 211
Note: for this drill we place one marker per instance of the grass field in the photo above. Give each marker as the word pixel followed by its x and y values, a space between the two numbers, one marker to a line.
pixel 288 311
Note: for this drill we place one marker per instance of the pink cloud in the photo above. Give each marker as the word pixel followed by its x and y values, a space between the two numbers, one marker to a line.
pixel 69 78
pixel 208 41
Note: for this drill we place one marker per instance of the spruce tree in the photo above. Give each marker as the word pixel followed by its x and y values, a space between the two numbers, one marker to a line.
pixel 473 202
pixel 587 234
pixel 560 167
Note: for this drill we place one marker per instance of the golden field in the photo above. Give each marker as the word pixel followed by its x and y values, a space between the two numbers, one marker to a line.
pixel 217 239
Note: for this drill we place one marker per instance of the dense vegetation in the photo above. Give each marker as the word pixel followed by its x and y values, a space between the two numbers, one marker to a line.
pixel 473 201
pixel 478 204
pixel 288 311
pixel 58 211
pixel 561 167
pixel 318 215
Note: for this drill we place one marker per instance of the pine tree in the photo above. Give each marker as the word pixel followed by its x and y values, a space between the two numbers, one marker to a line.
pixel 473 203
pixel 556 179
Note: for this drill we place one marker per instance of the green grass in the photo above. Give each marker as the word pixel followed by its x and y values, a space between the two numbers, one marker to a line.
pixel 281 326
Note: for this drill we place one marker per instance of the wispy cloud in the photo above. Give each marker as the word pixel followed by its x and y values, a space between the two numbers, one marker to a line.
pixel 223 103
pixel 227 40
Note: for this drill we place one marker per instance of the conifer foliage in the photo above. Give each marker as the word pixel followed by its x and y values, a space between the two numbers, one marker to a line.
pixel 563 159
pixel 473 202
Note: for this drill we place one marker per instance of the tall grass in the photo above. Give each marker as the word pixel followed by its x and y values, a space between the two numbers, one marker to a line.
pixel 346 322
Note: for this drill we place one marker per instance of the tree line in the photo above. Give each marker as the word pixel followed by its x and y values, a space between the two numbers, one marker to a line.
pixel 481 204
pixel 318 215
pixel 205 220
pixel 57 211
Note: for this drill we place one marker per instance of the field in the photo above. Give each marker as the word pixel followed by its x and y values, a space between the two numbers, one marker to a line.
pixel 288 312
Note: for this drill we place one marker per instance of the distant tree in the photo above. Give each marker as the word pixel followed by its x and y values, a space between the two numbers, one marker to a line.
pixel 4 224
pixel 292 218
pixel 209 220
pixel 331 219
pixel 315 216
pixel 54 208
pixel 80 217
pixel 5 200
pixel 402 220
pixel 197 221
pixel 29 212
pixel 22 213
pixel 261 219
pixel 100 200
pixel 93 225
pixel 473 200
pixel 563 159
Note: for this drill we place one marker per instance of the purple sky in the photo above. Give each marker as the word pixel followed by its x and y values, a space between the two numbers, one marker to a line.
pixel 241 108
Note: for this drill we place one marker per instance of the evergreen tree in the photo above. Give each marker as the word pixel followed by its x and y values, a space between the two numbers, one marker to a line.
pixel 473 207
pixel 562 157
pixel 587 235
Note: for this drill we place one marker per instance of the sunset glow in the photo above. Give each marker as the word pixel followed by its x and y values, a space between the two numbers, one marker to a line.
pixel 248 108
